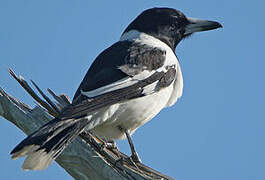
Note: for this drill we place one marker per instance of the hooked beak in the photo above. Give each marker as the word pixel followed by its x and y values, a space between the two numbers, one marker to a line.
pixel 197 25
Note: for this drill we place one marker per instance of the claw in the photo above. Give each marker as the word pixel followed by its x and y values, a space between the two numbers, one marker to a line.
pixel 135 157
pixel 120 161
pixel 109 145
pixel 129 160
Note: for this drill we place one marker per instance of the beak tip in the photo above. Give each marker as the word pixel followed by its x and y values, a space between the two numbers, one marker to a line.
pixel 216 25
pixel 220 25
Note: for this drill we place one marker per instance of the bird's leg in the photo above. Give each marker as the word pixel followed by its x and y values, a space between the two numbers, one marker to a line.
pixel 134 156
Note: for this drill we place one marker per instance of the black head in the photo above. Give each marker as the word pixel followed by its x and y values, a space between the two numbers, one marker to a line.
pixel 169 25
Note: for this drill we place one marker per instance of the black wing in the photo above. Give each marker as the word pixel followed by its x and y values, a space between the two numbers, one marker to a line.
pixel 159 79
pixel 121 60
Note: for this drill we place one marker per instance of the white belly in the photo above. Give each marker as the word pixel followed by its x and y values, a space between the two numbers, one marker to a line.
pixel 132 114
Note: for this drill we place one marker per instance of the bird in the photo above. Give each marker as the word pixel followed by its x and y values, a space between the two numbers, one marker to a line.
pixel 126 86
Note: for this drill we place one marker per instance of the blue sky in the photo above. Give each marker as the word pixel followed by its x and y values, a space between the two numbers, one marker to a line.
pixel 214 132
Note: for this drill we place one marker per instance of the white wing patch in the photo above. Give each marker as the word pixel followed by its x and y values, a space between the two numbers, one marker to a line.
pixel 149 89
pixel 110 87
pixel 125 82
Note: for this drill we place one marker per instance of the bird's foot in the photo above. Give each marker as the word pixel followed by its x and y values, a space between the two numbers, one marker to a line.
pixel 109 145
pixel 135 158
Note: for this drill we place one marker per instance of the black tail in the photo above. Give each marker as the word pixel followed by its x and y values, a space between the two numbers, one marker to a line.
pixel 45 144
